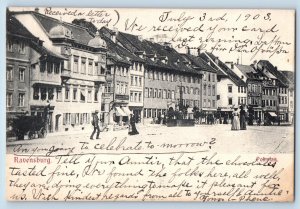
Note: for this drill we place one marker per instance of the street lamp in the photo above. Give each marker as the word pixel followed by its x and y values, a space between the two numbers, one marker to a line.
pixel 180 97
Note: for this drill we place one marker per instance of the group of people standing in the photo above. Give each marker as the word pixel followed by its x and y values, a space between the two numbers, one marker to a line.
pixel 239 119
pixel 95 123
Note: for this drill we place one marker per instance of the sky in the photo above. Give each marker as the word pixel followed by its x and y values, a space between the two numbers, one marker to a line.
pixel 233 35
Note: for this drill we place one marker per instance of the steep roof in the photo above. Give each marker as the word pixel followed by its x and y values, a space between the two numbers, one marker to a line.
pixel 199 62
pixel 289 75
pixel 118 53
pixel 274 71
pixel 81 34
pixel 249 71
pixel 16 28
pixel 220 66
pixel 175 60
pixel 136 45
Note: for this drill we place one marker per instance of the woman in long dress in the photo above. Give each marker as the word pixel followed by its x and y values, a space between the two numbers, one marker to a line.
pixel 132 127
pixel 242 118
pixel 235 121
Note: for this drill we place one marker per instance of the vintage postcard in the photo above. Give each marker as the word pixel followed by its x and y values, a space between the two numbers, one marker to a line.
pixel 108 104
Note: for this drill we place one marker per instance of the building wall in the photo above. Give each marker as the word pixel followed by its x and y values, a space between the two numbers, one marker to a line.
pixel 283 103
pixel 74 99
pixel 136 90
pixel 269 98
pixel 156 100
pixel 209 98
pixel 167 87
pixel 17 86
pixel 291 105
pixel 237 96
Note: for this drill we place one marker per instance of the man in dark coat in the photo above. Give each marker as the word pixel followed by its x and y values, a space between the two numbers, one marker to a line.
pixel 132 127
pixel 95 123
pixel 242 118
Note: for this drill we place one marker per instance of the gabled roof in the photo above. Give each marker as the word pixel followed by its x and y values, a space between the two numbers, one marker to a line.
pixel 220 66
pixel 274 71
pixel 132 43
pixel 289 75
pixel 15 28
pixel 199 62
pixel 175 60
pixel 249 72
pixel 81 34
pixel 117 52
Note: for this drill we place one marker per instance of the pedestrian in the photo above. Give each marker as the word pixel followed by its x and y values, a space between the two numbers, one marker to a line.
pixel 242 118
pixel 132 128
pixel 235 120
pixel 258 121
pixel 225 118
pixel 95 123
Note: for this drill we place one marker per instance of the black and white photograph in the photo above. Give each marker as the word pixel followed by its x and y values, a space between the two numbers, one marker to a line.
pixel 109 104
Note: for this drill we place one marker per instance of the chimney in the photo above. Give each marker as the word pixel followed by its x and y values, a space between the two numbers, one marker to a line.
pixel 114 34
pixel 217 60
pixel 255 64
pixel 238 61
pixel 151 40
pixel 188 51
pixel 140 37
pixel 198 51
pixel 36 10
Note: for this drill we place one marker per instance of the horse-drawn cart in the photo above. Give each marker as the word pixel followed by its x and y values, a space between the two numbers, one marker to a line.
pixel 34 126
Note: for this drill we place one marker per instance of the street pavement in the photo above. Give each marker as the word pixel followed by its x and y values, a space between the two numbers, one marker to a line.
pixel 256 139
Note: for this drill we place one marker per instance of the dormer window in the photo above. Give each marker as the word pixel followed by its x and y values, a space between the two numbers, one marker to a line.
pixel 9 45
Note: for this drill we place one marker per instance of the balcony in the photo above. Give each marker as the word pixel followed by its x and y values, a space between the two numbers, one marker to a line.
pixel 46 78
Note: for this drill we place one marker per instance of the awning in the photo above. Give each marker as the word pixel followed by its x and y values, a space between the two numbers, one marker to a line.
pixel 273 114
pixel 119 112
pixel 225 109
pixel 126 110
pixel 209 109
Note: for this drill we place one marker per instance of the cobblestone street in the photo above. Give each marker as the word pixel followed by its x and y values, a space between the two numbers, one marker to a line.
pixel 256 139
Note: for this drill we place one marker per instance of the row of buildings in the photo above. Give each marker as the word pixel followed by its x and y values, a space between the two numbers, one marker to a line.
pixel 76 69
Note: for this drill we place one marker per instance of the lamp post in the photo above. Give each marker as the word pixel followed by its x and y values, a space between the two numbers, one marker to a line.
pixel 180 97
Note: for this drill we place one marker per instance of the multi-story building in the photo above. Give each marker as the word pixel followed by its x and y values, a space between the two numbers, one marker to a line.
pixel 24 52
pixel 253 79
pixel 165 73
pixel 73 87
pixel 291 92
pixel 275 91
pixel 129 80
pixel 19 47
pixel 208 88
pixel 231 90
